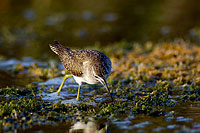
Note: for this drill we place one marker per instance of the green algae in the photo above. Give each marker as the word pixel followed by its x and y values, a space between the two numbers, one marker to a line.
pixel 29 104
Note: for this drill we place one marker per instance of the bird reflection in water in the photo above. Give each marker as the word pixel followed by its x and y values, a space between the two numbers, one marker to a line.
pixel 89 127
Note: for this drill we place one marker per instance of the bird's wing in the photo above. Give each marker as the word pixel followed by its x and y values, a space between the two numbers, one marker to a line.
pixel 69 58
pixel 72 64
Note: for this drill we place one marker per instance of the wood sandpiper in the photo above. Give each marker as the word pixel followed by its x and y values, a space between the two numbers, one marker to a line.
pixel 89 66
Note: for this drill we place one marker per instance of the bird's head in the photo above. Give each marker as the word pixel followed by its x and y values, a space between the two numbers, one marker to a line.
pixel 100 74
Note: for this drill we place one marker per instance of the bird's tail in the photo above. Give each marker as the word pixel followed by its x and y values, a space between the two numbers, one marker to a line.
pixel 57 48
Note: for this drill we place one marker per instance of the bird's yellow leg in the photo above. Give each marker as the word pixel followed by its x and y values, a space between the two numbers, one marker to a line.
pixel 79 87
pixel 66 77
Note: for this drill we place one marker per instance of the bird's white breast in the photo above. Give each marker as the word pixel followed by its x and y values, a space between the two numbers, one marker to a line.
pixel 85 79
pixel 87 76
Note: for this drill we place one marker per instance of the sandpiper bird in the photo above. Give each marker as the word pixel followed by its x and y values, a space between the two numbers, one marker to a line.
pixel 89 66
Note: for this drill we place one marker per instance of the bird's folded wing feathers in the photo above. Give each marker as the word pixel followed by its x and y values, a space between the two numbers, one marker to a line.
pixel 68 58
pixel 72 65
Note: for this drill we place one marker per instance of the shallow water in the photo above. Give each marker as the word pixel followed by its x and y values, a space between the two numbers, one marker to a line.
pixel 185 119
pixel 67 96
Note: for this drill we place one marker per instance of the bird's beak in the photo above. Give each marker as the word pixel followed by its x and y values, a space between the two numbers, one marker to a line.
pixel 106 86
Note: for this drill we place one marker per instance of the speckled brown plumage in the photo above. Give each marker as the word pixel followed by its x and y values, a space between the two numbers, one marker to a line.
pixel 73 60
